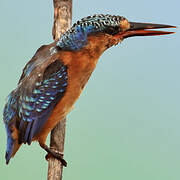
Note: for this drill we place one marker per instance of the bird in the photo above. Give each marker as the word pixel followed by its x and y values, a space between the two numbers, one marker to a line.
pixel 52 81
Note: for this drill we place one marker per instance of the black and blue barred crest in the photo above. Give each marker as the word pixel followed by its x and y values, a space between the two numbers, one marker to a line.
pixel 76 37
pixel 34 102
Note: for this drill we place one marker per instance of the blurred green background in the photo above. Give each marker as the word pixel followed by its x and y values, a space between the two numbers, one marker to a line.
pixel 126 124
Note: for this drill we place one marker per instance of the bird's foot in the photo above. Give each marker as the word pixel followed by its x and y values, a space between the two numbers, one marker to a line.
pixel 54 153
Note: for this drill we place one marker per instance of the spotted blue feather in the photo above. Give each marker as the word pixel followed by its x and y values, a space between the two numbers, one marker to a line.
pixel 10 108
pixel 36 104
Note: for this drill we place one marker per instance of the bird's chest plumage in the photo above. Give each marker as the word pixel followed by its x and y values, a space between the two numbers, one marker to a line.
pixel 80 68
pixel 80 65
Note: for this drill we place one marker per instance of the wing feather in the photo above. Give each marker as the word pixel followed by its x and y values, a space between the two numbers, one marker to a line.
pixel 37 102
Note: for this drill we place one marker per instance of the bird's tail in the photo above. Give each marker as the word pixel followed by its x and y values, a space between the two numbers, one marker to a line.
pixel 9 118
pixel 12 146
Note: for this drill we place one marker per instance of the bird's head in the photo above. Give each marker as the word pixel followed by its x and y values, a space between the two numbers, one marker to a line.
pixel 105 31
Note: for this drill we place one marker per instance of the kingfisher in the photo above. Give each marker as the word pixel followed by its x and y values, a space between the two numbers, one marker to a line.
pixel 52 81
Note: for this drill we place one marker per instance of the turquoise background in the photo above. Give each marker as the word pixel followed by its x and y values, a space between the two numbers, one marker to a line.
pixel 126 124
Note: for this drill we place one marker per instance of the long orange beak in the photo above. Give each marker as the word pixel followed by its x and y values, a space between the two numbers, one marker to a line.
pixel 141 29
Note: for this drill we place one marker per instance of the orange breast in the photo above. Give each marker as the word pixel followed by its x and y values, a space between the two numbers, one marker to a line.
pixel 80 66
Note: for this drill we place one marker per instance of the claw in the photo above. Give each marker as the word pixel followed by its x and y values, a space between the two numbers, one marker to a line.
pixel 53 153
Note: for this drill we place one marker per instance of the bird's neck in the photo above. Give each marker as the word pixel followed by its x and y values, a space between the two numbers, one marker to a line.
pixel 99 43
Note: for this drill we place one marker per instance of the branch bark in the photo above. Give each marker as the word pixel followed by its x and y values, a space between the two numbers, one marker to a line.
pixel 62 22
pixel 62 17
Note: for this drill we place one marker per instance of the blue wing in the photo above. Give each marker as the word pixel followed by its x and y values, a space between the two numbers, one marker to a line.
pixel 36 104
pixel 35 98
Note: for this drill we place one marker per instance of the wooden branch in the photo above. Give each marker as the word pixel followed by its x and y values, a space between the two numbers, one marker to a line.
pixel 62 22
pixel 62 17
